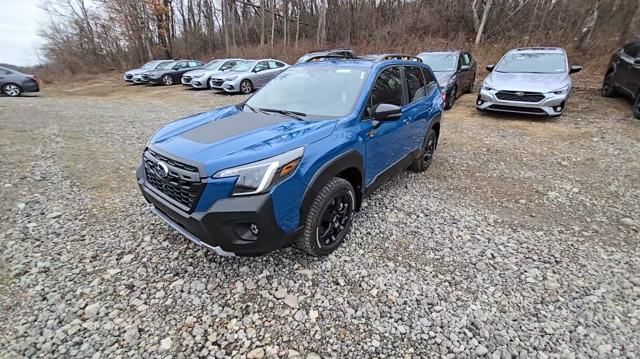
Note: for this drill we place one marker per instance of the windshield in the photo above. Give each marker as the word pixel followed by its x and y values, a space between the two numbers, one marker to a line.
pixel 533 62
pixel 316 91
pixel 244 66
pixel 167 65
pixel 440 62
pixel 149 65
pixel 213 65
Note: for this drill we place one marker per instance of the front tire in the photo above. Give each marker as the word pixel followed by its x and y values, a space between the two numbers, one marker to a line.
pixel 167 80
pixel 246 87
pixel 451 98
pixel 608 86
pixel 329 219
pixel 11 90
pixel 636 107
pixel 427 152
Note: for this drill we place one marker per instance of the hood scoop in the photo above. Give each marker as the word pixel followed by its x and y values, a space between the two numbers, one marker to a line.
pixel 232 126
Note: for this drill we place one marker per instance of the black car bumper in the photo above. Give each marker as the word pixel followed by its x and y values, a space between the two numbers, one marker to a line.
pixel 30 86
pixel 240 226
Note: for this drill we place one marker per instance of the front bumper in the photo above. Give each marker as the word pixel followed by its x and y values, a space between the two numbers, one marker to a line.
pixel 30 86
pixel 200 83
pixel 226 226
pixel 138 79
pixel 186 80
pixel 227 86
pixel 551 105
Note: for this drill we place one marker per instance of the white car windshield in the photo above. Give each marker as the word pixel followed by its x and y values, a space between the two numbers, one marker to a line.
pixel 314 91
pixel 213 65
pixel 149 65
pixel 533 62
pixel 244 66
pixel 440 62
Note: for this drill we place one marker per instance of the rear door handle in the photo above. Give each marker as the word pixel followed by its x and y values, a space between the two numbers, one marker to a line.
pixel 371 133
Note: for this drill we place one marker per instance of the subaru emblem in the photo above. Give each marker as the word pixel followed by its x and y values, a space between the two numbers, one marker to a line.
pixel 161 169
pixel 519 93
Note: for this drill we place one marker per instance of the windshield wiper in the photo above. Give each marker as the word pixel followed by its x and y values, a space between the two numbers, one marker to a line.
pixel 256 110
pixel 293 114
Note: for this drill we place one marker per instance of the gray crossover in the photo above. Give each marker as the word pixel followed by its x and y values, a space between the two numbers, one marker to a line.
pixel 247 75
pixel 200 78
pixel 532 81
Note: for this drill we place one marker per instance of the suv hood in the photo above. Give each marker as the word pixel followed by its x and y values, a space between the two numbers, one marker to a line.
pixel 527 81
pixel 230 137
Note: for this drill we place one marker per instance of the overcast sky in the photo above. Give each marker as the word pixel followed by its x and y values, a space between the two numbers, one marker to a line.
pixel 19 40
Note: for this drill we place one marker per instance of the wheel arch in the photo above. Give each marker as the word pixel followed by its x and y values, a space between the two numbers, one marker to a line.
pixel 348 166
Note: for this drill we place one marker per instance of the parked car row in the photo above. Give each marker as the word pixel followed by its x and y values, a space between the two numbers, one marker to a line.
pixel 229 75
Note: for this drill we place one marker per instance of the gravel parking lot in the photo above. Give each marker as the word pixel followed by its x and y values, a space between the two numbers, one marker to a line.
pixel 522 240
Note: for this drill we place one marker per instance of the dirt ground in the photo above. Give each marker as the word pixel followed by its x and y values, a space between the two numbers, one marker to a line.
pixel 526 218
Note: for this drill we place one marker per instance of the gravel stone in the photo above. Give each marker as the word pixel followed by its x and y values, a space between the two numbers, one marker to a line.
pixel 497 250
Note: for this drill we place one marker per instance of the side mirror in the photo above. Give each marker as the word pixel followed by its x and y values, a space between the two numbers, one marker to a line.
pixel 387 112
pixel 465 68
pixel 575 68
pixel 636 61
pixel 490 67
pixel 176 67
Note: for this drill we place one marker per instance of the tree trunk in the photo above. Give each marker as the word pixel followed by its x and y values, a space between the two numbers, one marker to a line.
pixel 630 21
pixel 483 23
pixel 299 8
pixel 262 5
pixel 587 28
pixel 273 26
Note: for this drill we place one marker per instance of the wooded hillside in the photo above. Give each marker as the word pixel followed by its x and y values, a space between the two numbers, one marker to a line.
pixel 84 35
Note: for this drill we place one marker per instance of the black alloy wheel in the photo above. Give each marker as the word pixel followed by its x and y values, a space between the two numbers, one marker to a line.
pixel 329 219
pixel 424 159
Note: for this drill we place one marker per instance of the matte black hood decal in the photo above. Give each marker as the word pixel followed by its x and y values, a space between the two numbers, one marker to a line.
pixel 232 126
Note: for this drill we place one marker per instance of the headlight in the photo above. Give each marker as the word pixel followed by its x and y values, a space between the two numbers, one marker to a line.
pixel 259 177
pixel 561 91
pixel 231 78
pixel 487 88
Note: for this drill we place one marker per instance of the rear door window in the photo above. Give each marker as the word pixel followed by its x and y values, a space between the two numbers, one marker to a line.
pixel 261 66
pixel 466 59
pixel 275 65
pixel 415 83
pixel 430 81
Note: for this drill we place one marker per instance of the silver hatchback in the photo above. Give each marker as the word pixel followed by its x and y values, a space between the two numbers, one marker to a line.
pixel 532 81
pixel 247 75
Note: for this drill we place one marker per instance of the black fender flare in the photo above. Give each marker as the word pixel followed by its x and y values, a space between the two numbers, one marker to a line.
pixel 347 160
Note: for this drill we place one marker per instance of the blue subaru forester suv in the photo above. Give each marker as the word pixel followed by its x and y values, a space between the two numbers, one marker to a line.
pixel 293 162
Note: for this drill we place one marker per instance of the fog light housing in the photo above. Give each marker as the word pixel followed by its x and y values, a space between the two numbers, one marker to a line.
pixel 247 231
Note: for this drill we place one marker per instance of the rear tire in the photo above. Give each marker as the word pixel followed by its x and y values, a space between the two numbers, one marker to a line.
pixel 451 98
pixel 246 87
pixel 11 90
pixel 636 107
pixel 427 152
pixel 608 86
pixel 329 219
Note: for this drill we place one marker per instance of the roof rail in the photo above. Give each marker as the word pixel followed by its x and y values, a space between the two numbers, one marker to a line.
pixel 399 57
pixel 329 57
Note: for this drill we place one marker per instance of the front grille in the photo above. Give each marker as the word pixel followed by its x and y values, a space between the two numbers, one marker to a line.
pixel 182 184
pixel 128 77
pixel 520 96
pixel 217 82
pixel 531 110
